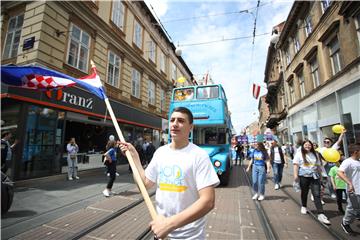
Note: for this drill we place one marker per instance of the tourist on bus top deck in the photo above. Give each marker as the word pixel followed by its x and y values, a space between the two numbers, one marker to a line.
pixel 184 94
pixel 185 180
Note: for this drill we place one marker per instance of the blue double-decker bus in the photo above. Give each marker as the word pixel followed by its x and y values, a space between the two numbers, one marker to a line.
pixel 212 123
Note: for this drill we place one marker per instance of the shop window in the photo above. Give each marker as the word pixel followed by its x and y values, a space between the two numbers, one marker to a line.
pixel 114 65
pixel 42 151
pixel 135 83
pixel 13 36
pixel 118 14
pixel 78 49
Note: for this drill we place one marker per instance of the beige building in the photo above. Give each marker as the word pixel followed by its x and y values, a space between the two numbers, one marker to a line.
pixel 134 58
pixel 264 114
pixel 313 72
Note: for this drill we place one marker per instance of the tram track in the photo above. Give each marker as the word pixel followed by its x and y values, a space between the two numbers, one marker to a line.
pixel 102 222
pixel 264 220
pixel 270 233
pixel 333 232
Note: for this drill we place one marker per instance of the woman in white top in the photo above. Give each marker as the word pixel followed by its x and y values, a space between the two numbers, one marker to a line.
pixel 307 170
pixel 72 149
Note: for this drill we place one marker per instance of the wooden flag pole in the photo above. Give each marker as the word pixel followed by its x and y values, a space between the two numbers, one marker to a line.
pixel 136 173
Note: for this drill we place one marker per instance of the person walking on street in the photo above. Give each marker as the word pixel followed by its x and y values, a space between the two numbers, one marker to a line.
pixel 260 165
pixel 328 143
pixel 339 185
pixel 278 161
pixel 72 149
pixel 307 170
pixel 150 150
pixel 110 161
pixel 6 150
pixel 185 181
pixel 349 171
pixel 239 152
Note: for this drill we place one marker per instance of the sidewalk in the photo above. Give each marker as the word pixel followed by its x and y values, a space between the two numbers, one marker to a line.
pixel 41 200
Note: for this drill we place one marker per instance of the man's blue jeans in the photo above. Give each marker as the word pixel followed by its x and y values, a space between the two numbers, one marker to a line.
pixel 278 171
pixel 258 179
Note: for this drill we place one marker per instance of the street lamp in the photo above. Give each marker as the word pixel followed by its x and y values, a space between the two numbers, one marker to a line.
pixel 178 51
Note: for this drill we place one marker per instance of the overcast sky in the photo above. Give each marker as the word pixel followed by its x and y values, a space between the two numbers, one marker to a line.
pixel 229 62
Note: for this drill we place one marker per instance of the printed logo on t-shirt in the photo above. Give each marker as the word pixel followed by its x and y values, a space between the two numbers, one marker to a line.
pixel 258 156
pixel 171 179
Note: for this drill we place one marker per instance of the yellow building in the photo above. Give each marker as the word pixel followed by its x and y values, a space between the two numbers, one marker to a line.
pixel 134 58
pixel 313 72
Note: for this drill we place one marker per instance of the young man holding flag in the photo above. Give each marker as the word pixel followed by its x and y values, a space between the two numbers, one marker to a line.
pixel 185 181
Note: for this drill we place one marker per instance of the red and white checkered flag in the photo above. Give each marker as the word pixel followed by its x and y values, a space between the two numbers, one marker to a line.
pixel 45 82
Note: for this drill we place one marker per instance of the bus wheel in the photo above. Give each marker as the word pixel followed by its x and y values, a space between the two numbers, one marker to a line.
pixel 224 178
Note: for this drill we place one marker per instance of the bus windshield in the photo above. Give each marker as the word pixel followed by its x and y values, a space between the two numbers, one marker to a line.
pixel 209 135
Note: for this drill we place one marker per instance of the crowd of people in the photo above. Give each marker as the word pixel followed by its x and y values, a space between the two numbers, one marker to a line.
pixel 312 172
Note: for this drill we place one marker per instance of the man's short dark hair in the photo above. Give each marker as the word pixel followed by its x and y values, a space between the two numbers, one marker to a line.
pixel 4 134
pixel 185 111
pixel 353 148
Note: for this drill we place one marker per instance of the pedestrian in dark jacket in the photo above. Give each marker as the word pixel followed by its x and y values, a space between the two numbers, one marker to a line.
pixel 278 162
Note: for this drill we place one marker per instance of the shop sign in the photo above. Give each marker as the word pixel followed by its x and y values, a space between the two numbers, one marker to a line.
pixel 77 100
pixel 72 99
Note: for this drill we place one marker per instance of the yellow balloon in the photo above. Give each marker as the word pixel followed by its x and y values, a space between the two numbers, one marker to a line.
pixel 181 80
pixel 338 128
pixel 331 155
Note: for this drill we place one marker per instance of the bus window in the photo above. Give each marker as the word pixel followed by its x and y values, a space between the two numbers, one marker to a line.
pixel 207 92
pixel 183 94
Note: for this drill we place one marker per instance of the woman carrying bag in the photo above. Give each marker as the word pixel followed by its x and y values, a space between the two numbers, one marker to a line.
pixel 72 149
pixel 307 170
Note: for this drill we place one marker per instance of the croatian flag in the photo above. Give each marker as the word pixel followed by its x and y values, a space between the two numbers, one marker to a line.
pixel 256 90
pixel 40 78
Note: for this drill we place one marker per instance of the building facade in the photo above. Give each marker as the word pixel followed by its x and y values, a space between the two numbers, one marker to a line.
pixel 317 82
pixel 134 58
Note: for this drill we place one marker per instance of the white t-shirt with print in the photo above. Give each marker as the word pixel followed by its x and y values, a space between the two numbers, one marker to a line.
pixel 179 175
pixel 306 168
pixel 277 157
pixel 351 168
